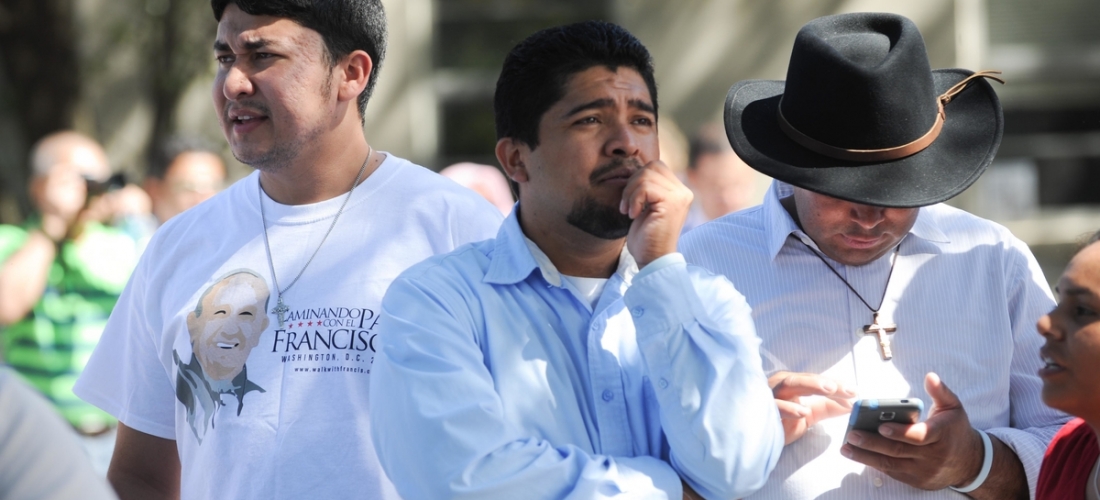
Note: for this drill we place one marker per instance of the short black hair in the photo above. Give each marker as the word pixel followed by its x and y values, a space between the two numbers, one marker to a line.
pixel 344 25
pixel 536 71
pixel 167 151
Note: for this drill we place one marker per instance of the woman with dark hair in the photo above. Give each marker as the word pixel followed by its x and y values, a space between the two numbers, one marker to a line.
pixel 1071 379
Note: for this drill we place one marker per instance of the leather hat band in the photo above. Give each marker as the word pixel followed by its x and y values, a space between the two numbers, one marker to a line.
pixel 886 154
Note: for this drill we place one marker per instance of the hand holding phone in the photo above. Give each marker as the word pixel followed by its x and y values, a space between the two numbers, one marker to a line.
pixel 868 414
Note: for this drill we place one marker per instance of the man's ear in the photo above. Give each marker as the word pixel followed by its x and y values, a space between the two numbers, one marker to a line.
pixel 192 323
pixel 353 72
pixel 512 155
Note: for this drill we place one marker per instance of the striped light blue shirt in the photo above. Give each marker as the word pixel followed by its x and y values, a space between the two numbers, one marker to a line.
pixel 965 296
pixel 497 379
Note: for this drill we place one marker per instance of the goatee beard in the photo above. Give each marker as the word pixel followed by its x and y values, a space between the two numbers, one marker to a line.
pixel 600 221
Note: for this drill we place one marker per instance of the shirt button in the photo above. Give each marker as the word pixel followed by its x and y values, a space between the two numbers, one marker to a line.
pixel 662 383
pixel 608 395
pixel 638 311
pixel 595 326
pixel 878 482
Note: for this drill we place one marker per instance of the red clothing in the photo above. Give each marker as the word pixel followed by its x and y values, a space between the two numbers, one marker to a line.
pixel 1068 463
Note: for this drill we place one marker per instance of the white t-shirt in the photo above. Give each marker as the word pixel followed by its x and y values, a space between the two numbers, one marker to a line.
pixel 293 422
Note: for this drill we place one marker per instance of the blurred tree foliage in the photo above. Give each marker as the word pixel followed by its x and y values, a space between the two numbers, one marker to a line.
pixel 39 51
pixel 117 70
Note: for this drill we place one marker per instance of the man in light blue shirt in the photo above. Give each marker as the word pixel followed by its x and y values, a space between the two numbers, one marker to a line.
pixel 576 355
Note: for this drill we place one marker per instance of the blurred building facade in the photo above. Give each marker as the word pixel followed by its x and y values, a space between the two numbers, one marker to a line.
pixel 145 69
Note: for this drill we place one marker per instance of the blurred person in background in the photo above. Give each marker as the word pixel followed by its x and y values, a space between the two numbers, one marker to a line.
pixel 674 147
pixel 186 172
pixel 60 275
pixel 40 457
pixel 1071 380
pixel 484 180
pixel 722 183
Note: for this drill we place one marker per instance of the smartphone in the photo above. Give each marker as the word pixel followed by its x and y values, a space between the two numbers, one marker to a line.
pixel 868 414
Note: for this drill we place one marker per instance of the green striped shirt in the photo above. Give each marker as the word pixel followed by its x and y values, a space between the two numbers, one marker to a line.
pixel 51 344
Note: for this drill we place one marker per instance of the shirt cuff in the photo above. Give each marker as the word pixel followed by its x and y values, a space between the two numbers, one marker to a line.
pixel 660 263
pixel 1028 447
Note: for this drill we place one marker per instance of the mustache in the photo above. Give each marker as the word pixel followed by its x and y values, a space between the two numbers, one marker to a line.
pixel 614 164
pixel 247 104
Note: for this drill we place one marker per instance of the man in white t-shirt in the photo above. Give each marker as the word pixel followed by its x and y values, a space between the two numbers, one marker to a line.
pixel 265 298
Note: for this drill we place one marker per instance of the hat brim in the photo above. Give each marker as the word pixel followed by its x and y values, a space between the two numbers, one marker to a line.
pixel 965 147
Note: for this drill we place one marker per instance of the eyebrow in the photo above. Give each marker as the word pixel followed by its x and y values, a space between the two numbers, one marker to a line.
pixel 258 43
pixel 1074 291
pixel 607 103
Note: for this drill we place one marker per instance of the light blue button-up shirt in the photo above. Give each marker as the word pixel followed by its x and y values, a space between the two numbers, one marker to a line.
pixel 496 379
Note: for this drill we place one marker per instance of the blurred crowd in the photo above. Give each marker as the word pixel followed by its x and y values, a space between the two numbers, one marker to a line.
pixel 63 269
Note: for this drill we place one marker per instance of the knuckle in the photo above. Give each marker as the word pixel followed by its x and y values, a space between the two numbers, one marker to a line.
pixel 886 464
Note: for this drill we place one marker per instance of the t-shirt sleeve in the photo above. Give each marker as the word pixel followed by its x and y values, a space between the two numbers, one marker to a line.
pixel 125 375
pixel 1068 462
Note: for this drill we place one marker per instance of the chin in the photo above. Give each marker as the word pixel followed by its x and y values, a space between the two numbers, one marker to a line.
pixel 1064 400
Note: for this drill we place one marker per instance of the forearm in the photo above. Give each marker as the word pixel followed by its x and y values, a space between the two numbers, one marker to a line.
pixel 129 487
pixel 1007 478
pixel 23 276
pixel 717 410
pixel 144 466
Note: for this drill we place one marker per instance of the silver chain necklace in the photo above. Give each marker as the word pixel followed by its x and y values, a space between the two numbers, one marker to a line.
pixel 280 307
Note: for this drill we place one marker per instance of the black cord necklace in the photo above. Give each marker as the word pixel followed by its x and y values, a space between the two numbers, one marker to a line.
pixel 874 328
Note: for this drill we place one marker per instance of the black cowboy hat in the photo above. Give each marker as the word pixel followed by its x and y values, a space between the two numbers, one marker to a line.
pixel 858 116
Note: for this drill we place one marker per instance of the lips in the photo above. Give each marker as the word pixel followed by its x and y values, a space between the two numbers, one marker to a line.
pixel 619 175
pixel 227 345
pixel 861 242
pixel 1051 366
pixel 244 120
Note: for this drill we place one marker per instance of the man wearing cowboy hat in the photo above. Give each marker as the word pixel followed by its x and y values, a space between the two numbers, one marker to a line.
pixel 863 285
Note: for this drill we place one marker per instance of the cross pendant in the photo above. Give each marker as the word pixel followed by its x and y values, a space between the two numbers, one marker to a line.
pixel 281 310
pixel 880 331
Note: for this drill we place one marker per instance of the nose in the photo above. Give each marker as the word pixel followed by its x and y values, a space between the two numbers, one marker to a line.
pixel 236 83
pixel 867 216
pixel 1047 326
pixel 623 142
pixel 231 331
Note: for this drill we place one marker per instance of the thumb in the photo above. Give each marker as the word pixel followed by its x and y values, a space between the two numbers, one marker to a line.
pixel 942 397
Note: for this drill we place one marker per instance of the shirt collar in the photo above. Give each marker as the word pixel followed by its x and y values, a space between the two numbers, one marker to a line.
pixel 780 224
pixel 515 257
